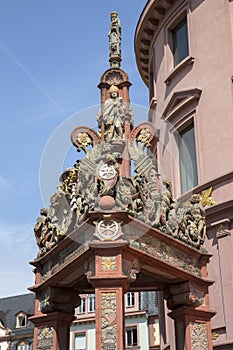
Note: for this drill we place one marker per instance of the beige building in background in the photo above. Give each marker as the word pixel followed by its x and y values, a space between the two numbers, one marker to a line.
pixel 184 53
pixel 141 322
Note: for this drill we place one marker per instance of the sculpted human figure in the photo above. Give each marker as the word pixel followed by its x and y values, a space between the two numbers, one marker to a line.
pixel 152 175
pixel 167 200
pixel 195 216
pixel 115 35
pixel 114 113
pixel 152 208
pixel 175 224
pixel 45 232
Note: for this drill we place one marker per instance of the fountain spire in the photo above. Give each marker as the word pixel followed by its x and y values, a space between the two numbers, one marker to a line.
pixel 115 41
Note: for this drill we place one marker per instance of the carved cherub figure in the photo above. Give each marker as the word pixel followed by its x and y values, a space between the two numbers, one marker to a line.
pixel 195 216
pixel 152 208
pixel 167 200
pixel 45 232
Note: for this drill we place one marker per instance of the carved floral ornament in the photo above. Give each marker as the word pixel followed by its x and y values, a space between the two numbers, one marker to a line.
pixel 83 139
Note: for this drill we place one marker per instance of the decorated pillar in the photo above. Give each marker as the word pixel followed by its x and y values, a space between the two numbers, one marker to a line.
pixel 109 281
pixel 52 331
pixel 54 313
pixel 191 315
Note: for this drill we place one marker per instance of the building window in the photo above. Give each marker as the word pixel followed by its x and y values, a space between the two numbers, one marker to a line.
pixel 180 42
pixel 91 302
pixel 82 306
pixel 80 341
pixel 130 299
pixel 131 337
pixel 23 346
pixel 187 158
pixel 21 320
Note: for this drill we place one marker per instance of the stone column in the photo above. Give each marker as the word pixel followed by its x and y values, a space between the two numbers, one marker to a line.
pixel 52 331
pixel 191 315
pixel 192 328
pixel 54 312
pixel 110 318
pixel 110 286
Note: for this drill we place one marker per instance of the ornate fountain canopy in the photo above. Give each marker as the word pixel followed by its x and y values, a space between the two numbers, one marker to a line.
pixel 103 181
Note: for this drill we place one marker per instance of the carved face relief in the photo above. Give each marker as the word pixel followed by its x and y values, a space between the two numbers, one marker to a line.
pixel 107 172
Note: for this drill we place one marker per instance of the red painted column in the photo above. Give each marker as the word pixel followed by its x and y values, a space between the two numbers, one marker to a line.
pixel 192 328
pixel 110 286
pixel 52 331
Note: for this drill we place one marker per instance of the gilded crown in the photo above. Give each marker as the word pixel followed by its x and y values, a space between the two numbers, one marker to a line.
pixel 113 88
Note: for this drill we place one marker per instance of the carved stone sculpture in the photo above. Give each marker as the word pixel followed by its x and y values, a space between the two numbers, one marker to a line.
pixel 45 232
pixel 115 40
pixel 195 216
pixel 114 113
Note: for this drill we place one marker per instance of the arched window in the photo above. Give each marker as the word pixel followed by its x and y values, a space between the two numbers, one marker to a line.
pixel 21 320
pixel 23 345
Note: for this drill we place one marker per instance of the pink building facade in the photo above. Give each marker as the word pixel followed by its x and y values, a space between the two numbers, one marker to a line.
pixel 184 53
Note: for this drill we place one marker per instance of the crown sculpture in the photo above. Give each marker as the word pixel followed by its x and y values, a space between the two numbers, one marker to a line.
pixel 102 182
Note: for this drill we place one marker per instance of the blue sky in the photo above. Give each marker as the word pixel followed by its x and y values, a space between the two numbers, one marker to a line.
pixel 52 54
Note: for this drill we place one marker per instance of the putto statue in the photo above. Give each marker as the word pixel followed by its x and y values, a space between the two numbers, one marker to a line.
pixel 115 41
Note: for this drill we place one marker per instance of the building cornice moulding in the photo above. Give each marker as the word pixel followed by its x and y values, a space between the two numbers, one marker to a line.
pixel 152 14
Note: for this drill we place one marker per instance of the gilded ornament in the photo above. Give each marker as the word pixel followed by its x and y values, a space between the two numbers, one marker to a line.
pixel 108 263
pixel 113 88
pixel 144 137
pixel 206 197
pixel 199 337
pixel 215 335
pixel 84 139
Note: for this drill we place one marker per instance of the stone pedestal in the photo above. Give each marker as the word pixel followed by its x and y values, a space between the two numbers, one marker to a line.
pixel 192 328
pixel 52 331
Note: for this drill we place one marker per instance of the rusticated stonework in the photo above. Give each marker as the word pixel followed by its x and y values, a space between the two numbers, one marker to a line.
pixel 169 254
pixel 199 338
pixel 109 327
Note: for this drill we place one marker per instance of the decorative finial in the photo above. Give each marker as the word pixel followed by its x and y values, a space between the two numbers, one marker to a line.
pixel 115 41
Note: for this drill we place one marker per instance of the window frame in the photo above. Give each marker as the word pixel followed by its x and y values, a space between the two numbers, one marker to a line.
pixel 131 296
pixel 78 334
pixel 179 113
pixel 131 328
pixel 82 307
pixel 19 315
pixel 23 343
pixel 91 302
pixel 180 13
pixel 182 146
pixel 176 50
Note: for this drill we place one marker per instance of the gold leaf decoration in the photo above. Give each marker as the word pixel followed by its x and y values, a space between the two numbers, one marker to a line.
pixel 206 197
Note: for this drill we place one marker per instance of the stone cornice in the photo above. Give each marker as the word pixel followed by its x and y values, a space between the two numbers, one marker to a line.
pixel 147 25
